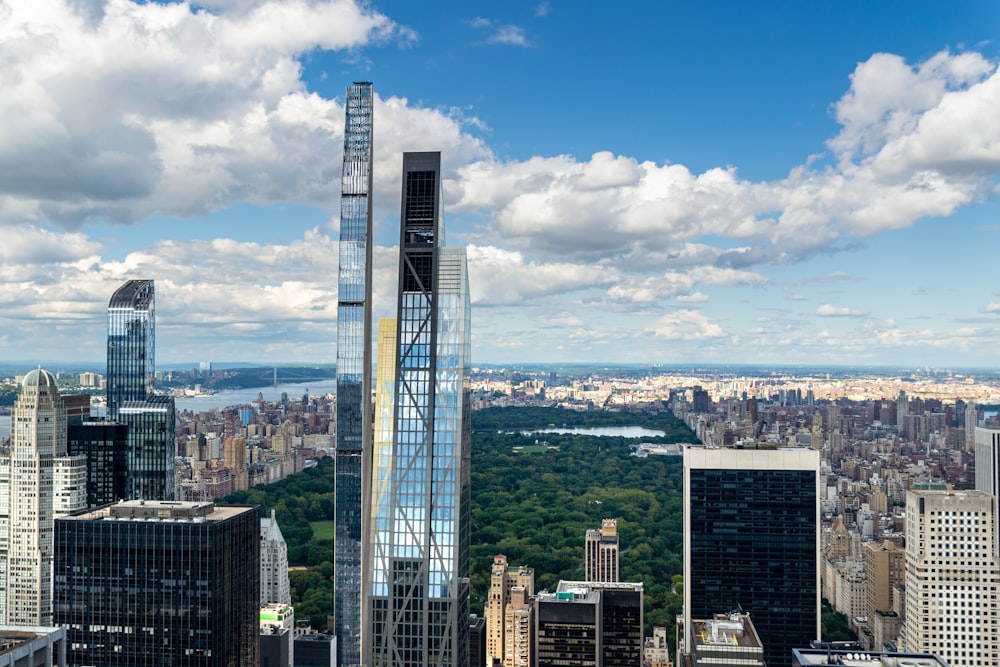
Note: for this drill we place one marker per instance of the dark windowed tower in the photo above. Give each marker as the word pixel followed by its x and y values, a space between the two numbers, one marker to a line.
pixel 419 588
pixel 354 363
pixel 131 344
pixel 143 583
pixel 105 444
pixel 131 401
pixel 752 542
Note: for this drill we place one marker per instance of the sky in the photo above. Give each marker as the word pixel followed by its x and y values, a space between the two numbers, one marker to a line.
pixel 669 182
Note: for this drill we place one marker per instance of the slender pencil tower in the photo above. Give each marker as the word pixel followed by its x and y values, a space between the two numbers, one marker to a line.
pixel 354 364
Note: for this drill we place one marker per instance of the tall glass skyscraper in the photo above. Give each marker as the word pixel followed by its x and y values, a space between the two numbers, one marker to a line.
pixel 131 344
pixel 752 542
pixel 354 363
pixel 419 588
pixel 131 368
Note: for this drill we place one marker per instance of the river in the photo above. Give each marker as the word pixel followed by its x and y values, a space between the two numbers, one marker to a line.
pixel 224 399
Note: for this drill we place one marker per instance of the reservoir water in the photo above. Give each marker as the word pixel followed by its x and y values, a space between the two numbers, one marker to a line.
pixel 616 431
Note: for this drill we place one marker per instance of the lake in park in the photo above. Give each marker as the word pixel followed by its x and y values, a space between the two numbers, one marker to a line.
pixel 609 431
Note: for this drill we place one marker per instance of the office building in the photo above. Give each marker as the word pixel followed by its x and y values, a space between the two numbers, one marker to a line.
pixel 274 586
pixel 315 650
pixel 724 639
pixel 105 445
pixel 419 595
pixel 601 561
pixel 952 575
pixel 130 397
pixel 987 451
pixel 752 542
pixel 477 641
pixel 277 633
pixel 354 361
pixel 175 580
pixel 27 646
pixel 503 578
pixel 39 480
pixel 589 623
pixel 825 657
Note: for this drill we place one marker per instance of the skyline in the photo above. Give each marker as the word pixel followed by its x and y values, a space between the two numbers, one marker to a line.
pixel 683 184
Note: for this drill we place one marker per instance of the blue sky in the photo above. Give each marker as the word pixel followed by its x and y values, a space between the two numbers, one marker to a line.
pixel 672 182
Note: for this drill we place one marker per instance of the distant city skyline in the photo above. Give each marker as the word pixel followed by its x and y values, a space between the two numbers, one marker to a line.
pixel 719 183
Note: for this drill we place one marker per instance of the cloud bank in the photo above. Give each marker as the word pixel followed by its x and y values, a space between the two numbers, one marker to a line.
pixel 118 111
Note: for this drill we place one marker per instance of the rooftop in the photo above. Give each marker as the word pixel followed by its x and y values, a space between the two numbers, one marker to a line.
pixel 160 510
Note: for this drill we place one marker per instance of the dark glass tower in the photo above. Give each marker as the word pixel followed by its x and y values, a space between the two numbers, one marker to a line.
pixel 105 444
pixel 419 589
pixel 131 344
pixel 354 363
pixel 131 368
pixel 143 583
pixel 752 542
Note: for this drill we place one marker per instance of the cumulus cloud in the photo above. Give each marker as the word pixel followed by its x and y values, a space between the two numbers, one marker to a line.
pixel 921 145
pixel 697 297
pixel 686 325
pixel 504 277
pixel 827 310
pixel 117 110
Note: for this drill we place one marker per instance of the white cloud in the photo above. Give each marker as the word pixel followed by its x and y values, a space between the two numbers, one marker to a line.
pixel 686 325
pixel 697 297
pixel 826 310
pixel 127 109
pixel 499 276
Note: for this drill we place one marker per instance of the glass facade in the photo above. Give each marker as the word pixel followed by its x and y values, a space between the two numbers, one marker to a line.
pixel 752 542
pixel 104 443
pixel 354 360
pixel 419 588
pixel 151 448
pixel 150 444
pixel 160 589
pixel 131 344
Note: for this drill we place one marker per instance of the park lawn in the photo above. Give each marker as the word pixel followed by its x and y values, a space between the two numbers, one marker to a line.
pixel 322 530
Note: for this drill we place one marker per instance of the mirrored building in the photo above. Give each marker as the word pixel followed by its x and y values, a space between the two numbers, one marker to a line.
pixel 131 344
pixel 149 418
pixel 419 588
pixel 354 361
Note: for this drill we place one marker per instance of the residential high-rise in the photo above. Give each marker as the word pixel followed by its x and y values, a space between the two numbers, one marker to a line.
pixel 952 574
pixel 42 481
pixel 175 580
pixel 354 362
pixel 601 560
pixel 589 623
pixel 885 576
pixel 752 543
pixel 274 586
pixel 519 626
pixel 131 344
pixel 130 397
pixel 419 595
pixel 503 578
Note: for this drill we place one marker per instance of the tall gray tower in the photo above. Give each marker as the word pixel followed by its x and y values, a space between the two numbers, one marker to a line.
pixel 419 589
pixel 354 363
